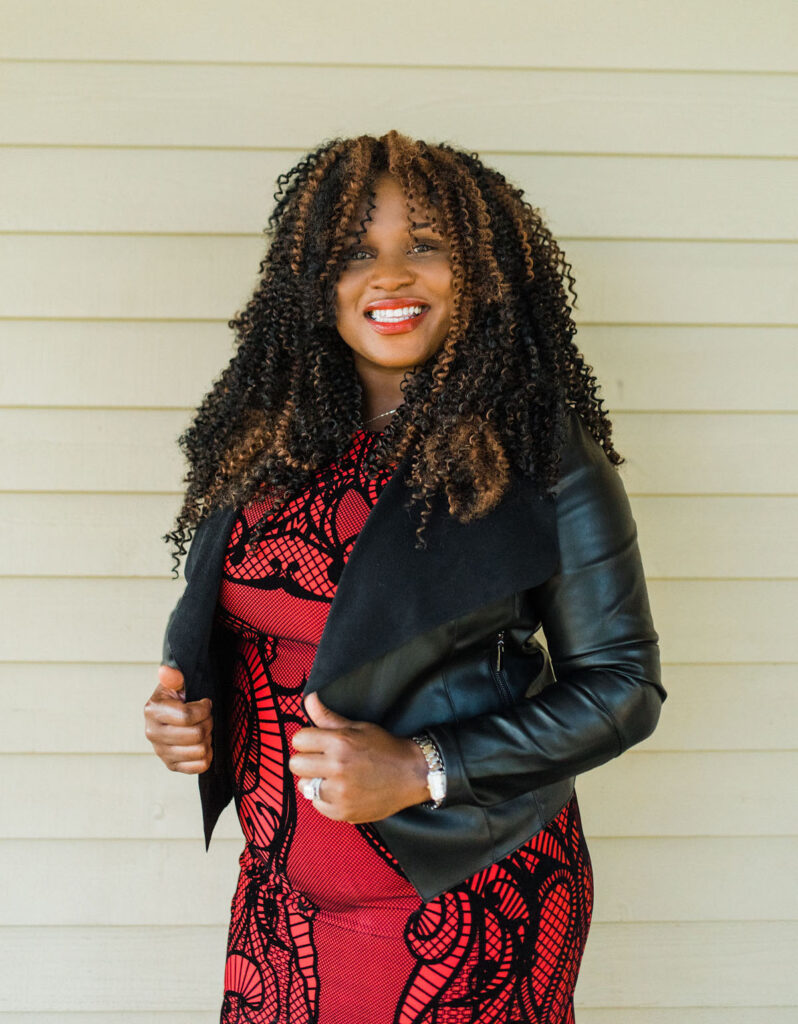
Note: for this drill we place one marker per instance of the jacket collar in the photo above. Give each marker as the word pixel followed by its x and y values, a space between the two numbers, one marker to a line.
pixel 389 592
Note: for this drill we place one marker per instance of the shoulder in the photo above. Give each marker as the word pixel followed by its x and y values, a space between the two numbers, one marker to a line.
pixel 580 451
pixel 590 498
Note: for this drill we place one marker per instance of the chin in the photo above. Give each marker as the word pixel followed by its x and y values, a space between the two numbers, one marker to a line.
pixel 399 360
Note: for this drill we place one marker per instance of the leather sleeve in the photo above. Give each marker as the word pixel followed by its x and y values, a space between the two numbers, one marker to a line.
pixel 597 622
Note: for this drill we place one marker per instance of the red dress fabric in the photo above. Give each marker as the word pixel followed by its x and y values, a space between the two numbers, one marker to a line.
pixel 325 927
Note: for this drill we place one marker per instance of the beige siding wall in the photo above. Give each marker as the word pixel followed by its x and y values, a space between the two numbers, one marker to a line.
pixel 139 146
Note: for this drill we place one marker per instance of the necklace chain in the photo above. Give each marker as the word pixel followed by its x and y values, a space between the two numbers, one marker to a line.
pixel 388 413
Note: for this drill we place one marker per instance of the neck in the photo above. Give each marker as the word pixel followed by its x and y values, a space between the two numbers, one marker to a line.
pixel 381 391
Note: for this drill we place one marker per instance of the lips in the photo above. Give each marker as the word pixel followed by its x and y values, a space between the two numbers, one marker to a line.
pixel 396 316
pixel 400 324
pixel 396 303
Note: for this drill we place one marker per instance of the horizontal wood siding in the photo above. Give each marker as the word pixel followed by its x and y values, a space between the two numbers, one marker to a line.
pixel 140 145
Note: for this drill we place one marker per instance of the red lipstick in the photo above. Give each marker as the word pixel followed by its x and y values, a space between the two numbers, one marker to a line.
pixel 392 324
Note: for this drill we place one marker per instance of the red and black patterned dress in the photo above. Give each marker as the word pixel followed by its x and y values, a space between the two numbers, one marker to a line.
pixel 325 926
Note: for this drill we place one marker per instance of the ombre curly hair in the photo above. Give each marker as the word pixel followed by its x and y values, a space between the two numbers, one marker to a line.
pixel 491 402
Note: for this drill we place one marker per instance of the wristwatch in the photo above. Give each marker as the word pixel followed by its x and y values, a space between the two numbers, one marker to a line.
pixel 436 774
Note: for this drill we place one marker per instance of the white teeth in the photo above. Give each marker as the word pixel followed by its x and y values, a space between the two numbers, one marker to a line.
pixel 394 315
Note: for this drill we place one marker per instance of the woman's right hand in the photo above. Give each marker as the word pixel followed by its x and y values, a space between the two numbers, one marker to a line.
pixel 179 730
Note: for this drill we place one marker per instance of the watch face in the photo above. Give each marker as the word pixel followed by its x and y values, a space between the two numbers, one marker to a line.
pixel 436 782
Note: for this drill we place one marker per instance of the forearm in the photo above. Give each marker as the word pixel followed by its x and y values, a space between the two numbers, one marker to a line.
pixel 575 724
pixel 596 618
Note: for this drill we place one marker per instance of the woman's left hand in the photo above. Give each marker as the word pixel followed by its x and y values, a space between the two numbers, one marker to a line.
pixel 368 773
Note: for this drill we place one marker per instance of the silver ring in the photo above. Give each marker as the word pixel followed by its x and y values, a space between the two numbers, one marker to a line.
pixel 312 790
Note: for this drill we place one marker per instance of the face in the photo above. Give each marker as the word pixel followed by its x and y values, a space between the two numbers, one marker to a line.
pixel 394 296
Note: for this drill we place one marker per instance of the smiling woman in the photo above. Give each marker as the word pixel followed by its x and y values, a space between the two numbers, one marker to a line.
pixel 403 474
pixel 491 400
pixel 396 282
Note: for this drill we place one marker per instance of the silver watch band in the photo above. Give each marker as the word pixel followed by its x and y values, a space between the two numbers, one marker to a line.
pixel 436 773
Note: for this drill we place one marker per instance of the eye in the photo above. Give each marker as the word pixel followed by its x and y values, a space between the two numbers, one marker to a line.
pixel 355 255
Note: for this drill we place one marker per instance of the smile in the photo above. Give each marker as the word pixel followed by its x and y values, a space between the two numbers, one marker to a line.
pixel 396 321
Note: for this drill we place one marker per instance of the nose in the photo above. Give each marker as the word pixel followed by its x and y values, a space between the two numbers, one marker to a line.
pixel 390 271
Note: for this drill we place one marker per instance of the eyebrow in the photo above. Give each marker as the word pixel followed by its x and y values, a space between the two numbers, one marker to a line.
pixel 417 227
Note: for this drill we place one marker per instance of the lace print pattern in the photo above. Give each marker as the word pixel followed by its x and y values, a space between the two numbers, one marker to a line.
pixel 325 927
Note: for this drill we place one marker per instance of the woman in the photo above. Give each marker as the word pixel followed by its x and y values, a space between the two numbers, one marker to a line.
pixel 402 474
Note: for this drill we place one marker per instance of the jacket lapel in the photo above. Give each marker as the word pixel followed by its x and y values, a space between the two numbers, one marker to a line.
pixel 189 628
pixel 389 592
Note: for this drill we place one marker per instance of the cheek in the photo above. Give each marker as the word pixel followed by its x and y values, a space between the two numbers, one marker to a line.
pixel 443 282
pixel 339 302
pixel 446 291
pixel 345 297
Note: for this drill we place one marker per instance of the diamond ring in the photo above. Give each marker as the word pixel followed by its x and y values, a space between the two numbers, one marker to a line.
pixel 311 788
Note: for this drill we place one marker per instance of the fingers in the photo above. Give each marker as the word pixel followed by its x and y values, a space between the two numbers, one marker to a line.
pixel 322 716
pixel 309 765
pixel 172 679
pixel 180 731
pixel 185 736
pixel 190 757
pixel 163 708
pixel 320 802
pixel 312 740
pixel 308 740
pixel 368 774
pixel 192 768
pixel 179 726
pixel 190 761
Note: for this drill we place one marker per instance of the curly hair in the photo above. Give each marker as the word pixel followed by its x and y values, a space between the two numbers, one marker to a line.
pixel 492 401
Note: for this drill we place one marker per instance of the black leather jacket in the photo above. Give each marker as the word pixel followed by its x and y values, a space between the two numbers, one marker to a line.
pixel 444 639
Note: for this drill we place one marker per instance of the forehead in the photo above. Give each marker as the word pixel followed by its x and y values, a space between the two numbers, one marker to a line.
pixel 388 209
